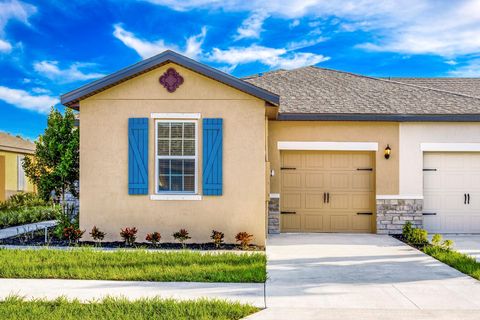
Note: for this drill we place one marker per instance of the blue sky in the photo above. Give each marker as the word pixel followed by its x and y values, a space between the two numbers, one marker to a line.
pixel 50 47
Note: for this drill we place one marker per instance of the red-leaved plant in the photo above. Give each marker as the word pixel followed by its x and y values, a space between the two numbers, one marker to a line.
pixel 182 236
pixel 97 235
pixel 129 235
pixel 153 238
pixel 217 238
pixel 244 239
pixel 73 234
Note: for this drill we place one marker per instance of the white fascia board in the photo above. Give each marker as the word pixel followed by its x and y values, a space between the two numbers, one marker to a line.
pixel 450 147
pixel 327 146
pixel 175 115
pixel 399 197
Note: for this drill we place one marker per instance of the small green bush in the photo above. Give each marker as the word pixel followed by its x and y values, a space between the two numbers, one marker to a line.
pixel 419 237
pixel 407 231
pixel 20 200
pixel 447 245
pixel 437 240
pixel 24 215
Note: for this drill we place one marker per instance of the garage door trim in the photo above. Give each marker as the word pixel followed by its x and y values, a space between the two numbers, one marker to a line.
pixel 327 146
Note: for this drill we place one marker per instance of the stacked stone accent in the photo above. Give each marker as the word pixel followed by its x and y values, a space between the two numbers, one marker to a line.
pixel 393 214
pixel 274 216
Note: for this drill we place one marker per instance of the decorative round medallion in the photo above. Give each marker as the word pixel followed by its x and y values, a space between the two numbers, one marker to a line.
pixel 171 80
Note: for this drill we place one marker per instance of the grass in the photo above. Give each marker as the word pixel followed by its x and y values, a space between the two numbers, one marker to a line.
pixel 110 308
pixel 141 265
pixel 455 259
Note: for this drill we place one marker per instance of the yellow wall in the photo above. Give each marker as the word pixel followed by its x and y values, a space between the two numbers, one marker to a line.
pixel 11 174
pixel 104 200
pixel 329 131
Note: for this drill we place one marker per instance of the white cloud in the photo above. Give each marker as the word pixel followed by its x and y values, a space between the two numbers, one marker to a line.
pixel 51 70
pixel 451 62
pixel 147 49
pixel 294 23
pixel 274 58
pixel 470 70
pixel 252 26
pixel 13 10
pixel 40 90
pixel 444 28
pixel 25 100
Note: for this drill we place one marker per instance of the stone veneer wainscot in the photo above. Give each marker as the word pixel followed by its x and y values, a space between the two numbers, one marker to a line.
pixel 392 214
pixel 274 215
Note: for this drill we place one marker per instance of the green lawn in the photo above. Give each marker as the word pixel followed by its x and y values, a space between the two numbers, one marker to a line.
pixel 119 309
pixel 455 259
pixel 139 265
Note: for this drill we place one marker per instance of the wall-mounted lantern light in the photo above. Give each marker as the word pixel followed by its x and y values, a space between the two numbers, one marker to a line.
pixel 388 151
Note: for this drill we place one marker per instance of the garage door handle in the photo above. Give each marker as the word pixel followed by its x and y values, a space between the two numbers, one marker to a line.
pixel 324 197
pixel 288 212
pixel 287 168
pixel 464 198
pixel 328 197
pixel 429 213
pixel 468 197
pixel 365 213
pixel 364 169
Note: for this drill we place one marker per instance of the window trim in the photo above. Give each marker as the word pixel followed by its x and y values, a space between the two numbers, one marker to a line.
pixel 170 193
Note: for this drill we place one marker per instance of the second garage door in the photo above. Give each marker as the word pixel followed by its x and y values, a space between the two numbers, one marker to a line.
pixel 451 192
pixel 327 191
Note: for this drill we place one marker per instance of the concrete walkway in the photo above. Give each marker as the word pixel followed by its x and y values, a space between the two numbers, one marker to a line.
pixel 14 231
pixel 86 290
pixel 347 276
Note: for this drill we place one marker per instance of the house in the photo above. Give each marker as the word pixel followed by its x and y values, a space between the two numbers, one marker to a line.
pixel 12 177
pixel 170 143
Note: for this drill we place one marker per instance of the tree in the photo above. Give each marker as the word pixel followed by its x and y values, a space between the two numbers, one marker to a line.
pixel 55 165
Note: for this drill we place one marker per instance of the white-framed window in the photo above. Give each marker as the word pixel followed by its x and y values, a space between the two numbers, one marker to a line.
pixel 176 156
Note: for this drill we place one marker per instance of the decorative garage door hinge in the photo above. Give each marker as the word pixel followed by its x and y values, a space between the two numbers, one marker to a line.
pixel 427 169
pixel 287 168
pixel 364 169
pixel 288 212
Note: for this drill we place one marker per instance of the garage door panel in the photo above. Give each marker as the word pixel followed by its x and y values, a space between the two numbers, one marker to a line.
pixel 315 180
pixel 361 223
pixel 361 202
pixel 314 201
pixel 291 201
pixel 313 222
pixel 291 222
pixel 318 173
pixel 292 179
pixel 456 174
pixel 339 201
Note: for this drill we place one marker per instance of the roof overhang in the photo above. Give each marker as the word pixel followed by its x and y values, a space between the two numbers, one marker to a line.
pixel 72 98
pixel 379 117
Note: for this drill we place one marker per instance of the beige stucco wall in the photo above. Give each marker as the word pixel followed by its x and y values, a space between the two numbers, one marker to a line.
pixel 104 199
pixel 411 156
pixel 330 131
pixel 11 175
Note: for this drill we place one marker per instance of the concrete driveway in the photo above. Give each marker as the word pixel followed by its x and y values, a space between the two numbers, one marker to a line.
pixel 360 276
pixel 468 244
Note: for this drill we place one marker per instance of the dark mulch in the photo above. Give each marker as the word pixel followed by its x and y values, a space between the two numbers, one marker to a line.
pixel 402 238
pixel 38 239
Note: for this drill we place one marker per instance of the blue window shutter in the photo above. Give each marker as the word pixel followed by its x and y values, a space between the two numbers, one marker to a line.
pixel 138 156
pixel 212 156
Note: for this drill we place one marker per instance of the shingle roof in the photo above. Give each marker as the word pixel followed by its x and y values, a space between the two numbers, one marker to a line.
pixel 466 86
pixel 15 144
pixel 314 90
pixel 72 98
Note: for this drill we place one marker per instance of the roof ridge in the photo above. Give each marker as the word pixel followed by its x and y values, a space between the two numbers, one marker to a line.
pixel 399 83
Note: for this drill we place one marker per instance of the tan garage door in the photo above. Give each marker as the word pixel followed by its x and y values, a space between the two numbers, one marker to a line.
pixel 327 191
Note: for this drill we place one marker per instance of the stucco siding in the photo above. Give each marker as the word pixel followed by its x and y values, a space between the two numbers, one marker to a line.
pixel 412 135
pixel 11 174
pixel 382 133
pixel 104 199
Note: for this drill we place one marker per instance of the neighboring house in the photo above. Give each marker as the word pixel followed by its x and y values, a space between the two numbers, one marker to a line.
pixel 12 177
pixel 170 143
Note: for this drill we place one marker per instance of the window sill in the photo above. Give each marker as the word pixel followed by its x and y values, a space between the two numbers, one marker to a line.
pixel 182 197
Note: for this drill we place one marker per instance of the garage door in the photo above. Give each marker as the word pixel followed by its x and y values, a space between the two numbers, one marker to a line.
pixel 451 192
pixel 327 191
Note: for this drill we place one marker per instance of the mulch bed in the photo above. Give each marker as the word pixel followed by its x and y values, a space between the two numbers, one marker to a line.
pixel 38 239
pixel 402 238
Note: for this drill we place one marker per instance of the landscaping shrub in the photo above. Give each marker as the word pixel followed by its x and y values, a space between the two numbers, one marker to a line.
pixel 153 238
pixel 23 199
pixel 129 235
pixel 73 234
pixel 244 239
pixel 437 239
pixel 407 231
pixel 217 238
pixel 182 235
pixel 24 215
pixel 96 234
pixel 419 237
